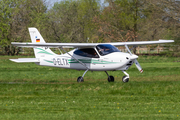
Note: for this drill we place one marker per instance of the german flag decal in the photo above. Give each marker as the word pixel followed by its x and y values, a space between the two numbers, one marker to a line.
pixel 37 40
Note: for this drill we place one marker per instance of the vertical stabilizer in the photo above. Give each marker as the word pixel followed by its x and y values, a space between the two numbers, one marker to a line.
pixel 37 38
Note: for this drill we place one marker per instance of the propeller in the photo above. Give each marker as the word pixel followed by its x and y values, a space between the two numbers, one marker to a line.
pixel 138 66
pixel 135 60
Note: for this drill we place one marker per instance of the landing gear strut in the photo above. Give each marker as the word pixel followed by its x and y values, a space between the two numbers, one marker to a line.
pixel 110 78
pixel 126 77
pixel 81 79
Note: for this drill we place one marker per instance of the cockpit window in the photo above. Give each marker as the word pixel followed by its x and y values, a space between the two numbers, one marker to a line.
pixel 87 52
pixel 105 49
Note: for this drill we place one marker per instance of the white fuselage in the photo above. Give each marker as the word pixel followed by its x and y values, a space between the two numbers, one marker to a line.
pixel 110 62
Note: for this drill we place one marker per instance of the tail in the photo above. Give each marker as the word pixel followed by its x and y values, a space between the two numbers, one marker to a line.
pixel 37 38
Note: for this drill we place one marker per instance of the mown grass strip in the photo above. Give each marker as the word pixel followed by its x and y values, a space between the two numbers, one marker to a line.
pixel 29 91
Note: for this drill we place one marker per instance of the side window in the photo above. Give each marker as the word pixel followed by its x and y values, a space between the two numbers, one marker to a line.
pixel 87 52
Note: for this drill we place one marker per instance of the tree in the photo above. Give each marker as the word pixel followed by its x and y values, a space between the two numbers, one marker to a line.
pixel 161 21
pixel 17 16
pixel 87 9
pixel 5 24
pixel 71 21
pixel 119 21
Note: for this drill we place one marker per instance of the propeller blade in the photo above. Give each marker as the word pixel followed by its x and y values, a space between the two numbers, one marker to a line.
pixel 138 66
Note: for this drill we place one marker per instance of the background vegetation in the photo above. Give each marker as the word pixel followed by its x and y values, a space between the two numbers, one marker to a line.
pixel 89 21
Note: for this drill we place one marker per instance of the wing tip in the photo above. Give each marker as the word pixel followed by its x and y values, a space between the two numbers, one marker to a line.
pixel 166 40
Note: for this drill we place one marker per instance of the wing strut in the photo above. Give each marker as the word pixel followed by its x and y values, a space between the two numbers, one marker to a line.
pixel 80 79
pixel 131 48
pixel 128 49
pixel 60 51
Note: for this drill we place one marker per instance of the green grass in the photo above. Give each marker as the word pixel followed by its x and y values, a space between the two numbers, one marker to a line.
pixel 28 91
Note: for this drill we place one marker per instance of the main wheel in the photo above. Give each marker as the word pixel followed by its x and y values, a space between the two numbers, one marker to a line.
pixel 125 79
pixel 110 79
pixel 80 79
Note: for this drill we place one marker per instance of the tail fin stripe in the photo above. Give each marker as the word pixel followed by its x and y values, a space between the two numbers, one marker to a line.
pixel 44 51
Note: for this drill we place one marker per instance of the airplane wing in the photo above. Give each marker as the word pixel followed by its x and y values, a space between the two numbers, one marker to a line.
pixel 137 43
pixel 86 45
pixel 24 60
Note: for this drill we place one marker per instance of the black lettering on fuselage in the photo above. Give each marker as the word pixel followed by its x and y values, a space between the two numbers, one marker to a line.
pixel 60 61
pixel 54 61
pixel 67 62
pixel 63 61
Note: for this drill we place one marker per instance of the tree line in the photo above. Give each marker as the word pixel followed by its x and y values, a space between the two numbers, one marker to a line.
pixel 89 21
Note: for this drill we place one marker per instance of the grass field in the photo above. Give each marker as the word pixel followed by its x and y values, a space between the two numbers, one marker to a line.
pixel 28 91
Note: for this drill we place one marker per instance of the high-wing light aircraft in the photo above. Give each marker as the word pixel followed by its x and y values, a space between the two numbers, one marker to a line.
pixel 85 56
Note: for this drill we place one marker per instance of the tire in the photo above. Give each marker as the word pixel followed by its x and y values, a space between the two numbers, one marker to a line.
pixel 125 79
pixel 110 79
pixel 80 79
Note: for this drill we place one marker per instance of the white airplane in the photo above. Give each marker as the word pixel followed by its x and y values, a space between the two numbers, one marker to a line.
pixel 85 56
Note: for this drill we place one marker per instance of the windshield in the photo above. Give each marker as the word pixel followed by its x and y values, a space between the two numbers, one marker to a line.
pixel 105 49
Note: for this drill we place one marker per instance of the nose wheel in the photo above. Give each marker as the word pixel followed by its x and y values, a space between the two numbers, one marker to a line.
pixel 125 79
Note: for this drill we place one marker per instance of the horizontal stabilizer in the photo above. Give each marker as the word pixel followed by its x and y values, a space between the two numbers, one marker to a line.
pixel 24 60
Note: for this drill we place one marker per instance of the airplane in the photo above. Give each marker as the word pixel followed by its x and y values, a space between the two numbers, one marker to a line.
pixel 84 56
